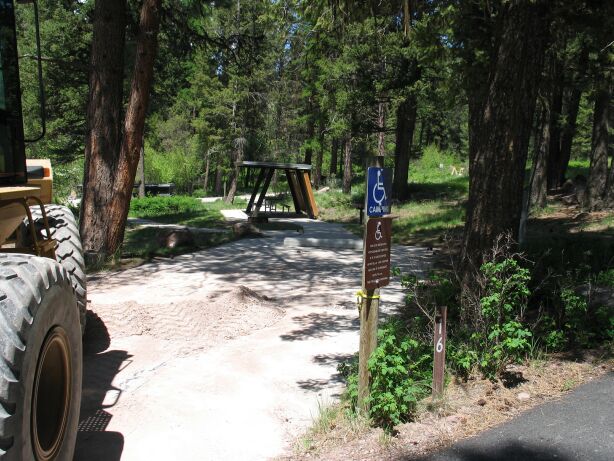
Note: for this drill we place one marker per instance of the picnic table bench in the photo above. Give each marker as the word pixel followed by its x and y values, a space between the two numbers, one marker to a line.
pixel 297 175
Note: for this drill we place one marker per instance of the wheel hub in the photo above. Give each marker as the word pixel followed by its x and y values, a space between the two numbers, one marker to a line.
pixel 51 395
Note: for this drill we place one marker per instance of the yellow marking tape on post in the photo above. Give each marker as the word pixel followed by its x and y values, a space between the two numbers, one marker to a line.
pixel 361 294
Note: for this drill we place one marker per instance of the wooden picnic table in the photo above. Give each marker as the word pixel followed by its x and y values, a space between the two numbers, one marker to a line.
pixel 297 175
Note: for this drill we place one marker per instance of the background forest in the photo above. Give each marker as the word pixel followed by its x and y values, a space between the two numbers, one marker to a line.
pixel 326 83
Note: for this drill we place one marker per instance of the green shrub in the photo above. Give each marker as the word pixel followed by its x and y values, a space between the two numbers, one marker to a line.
pixel 434 165
pixel 605 320
pixel 495 334
pixel 605 278
pixel 199 193
pixel 400 370
pixel 575 315
pixel 151 207
pixel 181 166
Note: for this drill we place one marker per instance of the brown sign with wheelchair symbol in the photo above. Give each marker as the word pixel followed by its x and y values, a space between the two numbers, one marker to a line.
pixel 377 253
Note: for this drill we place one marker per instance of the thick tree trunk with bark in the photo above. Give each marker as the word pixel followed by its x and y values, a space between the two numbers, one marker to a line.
pixel 598 171
pixel 538 176
pixel 406 122
pixel 500 127
pixel 347 164
pixel 103 227
pixel 104 121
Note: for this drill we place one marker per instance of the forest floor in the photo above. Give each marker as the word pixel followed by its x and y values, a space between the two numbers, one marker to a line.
pixel 227 353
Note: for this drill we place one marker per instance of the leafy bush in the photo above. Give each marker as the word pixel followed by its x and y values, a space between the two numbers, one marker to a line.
pixel 605 278
pixel 605 319
pixel 494 332
pixel 400 369
pixel 180 166
pixel 504 339
pixel 151 207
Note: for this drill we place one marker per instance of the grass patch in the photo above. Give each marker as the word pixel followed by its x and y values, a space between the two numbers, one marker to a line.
pixel 434 209
pixel 334 424
pixel 182 210
pixel 578 167
pixel 418 222
pixel 426 222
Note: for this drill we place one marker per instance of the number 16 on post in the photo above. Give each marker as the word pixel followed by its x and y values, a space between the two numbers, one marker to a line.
pixel 439 361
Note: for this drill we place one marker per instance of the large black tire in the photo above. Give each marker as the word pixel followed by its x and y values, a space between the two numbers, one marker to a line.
pixel 69 251
pixel 41 360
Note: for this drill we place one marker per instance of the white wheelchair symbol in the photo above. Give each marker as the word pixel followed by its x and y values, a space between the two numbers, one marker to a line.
pixel 379 190
pixel 378 231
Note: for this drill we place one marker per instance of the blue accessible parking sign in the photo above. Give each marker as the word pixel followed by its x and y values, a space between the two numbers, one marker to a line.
pixel 379 181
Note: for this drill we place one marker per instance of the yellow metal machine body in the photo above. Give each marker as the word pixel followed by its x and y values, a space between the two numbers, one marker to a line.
pixel 15 202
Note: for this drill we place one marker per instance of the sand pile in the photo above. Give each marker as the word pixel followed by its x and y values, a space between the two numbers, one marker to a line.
pixel 220 316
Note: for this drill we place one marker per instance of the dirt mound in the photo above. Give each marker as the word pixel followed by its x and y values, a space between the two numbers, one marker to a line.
pixel 221 316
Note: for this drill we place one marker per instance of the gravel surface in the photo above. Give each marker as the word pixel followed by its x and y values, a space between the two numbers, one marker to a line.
pixel 224 354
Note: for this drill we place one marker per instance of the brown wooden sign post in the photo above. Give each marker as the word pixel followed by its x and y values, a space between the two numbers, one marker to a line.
pixel 375 274
pixel 439 341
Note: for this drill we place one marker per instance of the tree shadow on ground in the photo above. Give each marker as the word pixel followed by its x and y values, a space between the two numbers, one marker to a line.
pixel 513 451
pixel 316 385
pixel 552 242
pixel 100 366
pixel 335 379
pixel 320 325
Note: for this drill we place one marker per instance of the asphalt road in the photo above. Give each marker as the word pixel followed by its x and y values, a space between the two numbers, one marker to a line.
pixel 578 427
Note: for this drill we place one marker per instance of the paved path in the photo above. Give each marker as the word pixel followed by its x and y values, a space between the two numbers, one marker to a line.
pixel 579 427
pixel 246 398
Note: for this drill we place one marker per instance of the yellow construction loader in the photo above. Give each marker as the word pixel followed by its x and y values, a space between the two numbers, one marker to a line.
pixel 42 286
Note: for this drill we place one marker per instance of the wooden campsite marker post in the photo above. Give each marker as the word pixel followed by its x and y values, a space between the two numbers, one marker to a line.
pixel 375 268
pixel 439 359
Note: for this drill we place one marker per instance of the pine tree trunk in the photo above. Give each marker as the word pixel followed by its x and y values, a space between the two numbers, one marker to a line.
pixel 406 122
pixel 381 123
pixel 542 141
pixel 556 107
pixel 500 127
pixel 206 176
pixel 317 174
pixel 237 156
pixel 598 171
pixel 218 180
pixel 134 125
pixel 104 118
pixel 310 132
pixel 569 131
pixel 334 151
pixel 140 173
pixel 347 164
